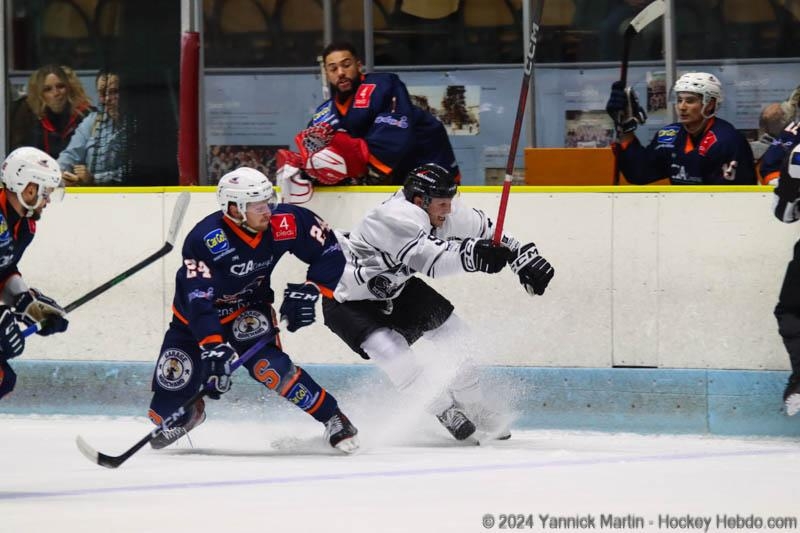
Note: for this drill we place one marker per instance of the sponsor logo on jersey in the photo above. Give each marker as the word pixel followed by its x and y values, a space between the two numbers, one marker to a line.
pixel 207 294
pixel 401 122
pixel 708 141
pixel 322 114
pixel 216 241
pixel 667 135
pixel 5 235
pixel 174 369
pixel 382 287
pixel 301 396
pixel 284 226
pixel 243 269
pixel 364 93
pixel 249 325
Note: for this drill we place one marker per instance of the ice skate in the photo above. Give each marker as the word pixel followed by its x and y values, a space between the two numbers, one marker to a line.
pixel 341 433
pixel 196 417
pixel 791 395
pixel 456 422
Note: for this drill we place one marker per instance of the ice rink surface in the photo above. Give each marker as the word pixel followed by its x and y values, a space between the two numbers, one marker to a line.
pixel 244 476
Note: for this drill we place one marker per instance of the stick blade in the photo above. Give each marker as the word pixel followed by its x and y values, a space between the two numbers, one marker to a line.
pixel 95 456
pixel 648 15
pixel 181 205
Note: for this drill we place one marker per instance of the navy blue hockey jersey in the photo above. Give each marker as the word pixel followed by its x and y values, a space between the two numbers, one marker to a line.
pixel 672 153
pixel 399 135
pixel 16 233
pixel 227 269
pixel 770 164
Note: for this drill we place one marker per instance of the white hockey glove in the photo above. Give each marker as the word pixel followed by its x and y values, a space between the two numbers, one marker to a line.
pixel 32 306
pixel 534 271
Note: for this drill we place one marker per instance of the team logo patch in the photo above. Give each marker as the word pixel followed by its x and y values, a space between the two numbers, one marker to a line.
pixel 364 93
pixel 301 397
pixel 174 369
pixel 708 141
pixel 667 135
pixel 284 226
pixel 216 241
pixel 249 325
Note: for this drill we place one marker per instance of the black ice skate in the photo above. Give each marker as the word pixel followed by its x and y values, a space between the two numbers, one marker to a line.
pixel 341 433
pixel 791 395
pixel 196 417
pixel 456 422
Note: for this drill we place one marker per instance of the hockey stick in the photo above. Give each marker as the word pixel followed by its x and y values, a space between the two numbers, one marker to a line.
pixel 113 461
pixel 523 99
pixel 175 224
pixel 638 23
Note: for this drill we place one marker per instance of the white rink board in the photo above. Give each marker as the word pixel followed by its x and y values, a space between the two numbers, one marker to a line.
pixel 684 280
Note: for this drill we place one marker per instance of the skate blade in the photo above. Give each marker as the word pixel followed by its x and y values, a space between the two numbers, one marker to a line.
pixel 348 446
pixel 792 404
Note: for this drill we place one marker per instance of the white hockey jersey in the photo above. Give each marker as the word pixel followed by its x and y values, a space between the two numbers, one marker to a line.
pixel 395 240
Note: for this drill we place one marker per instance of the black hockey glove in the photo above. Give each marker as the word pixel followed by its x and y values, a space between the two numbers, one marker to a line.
pixel 32 306
pixel 533 270
pixel 215 368
pixel 482 255
pixel 12 343
pixel 298 306
pixel 624 109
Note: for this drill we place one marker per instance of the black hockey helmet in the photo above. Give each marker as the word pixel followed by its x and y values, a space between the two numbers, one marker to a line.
pixel 429 181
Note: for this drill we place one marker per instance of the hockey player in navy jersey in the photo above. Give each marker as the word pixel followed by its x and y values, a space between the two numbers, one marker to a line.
pixel 369 128
pixel 223 305
pixel 31 180
pixel 380 307
pixel 699 149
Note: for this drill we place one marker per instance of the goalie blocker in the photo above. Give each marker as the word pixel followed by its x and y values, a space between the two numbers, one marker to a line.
pixel 326 156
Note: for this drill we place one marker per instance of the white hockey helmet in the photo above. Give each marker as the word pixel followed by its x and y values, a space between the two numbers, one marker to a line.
pixel 27 165
pixel 701 83
pixel 243 186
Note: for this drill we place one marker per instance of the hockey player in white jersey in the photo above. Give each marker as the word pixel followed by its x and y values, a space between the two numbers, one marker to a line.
pixel 380 308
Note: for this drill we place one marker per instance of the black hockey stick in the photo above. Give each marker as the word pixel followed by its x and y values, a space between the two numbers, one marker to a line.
pixel 113 461
pixel 175 224
pixel 638 23
pixel 523 99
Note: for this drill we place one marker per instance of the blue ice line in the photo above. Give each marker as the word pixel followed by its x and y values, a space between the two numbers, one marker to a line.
pixel 10 495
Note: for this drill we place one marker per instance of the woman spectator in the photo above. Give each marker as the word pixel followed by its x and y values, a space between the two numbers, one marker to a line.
pixel 59 103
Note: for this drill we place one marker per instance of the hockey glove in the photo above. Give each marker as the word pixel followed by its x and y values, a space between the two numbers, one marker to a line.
pixel 298 306
pixel 215 368
pixel 12 343
pixel 484 256
pixel 533 270
pixel 624 109
pixel 32 306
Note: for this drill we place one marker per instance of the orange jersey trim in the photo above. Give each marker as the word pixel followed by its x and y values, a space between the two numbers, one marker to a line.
pixel 343 107
pixel 285 388
pixel 319 402
pixel 250 240
pixel 216 338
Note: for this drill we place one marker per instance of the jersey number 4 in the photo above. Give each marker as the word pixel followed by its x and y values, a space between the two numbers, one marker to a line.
pixel 196 268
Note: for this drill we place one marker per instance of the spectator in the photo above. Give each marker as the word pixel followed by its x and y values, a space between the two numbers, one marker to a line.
pixel 787 311
pixel 782 131
pixel 95 155
pixel 368 129
pixel 699 149
pixel 59 103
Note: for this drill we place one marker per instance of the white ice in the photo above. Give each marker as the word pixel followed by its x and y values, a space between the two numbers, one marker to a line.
pixel 243 476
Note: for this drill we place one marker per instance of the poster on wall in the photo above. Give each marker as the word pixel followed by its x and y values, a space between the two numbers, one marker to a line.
pixel 225 158
pixel 588 129
pixel 456 106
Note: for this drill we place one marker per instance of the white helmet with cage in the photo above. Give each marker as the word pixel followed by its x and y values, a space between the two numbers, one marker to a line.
pixel 28 165
pixel 243 186
pixel 701 83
